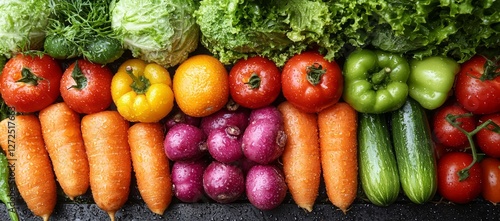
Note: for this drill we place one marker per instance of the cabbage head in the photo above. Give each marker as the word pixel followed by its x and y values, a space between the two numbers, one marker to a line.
pixel 159 31
pixel 22 25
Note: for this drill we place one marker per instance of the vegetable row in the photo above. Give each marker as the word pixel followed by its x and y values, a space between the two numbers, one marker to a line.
pixel 291 145
pixel 303 114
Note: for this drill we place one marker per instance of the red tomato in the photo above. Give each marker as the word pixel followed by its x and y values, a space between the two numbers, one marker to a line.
pixel 30 83
pixel 441 150
pixel 254 82
pixel 86 87
pixel 449 185
pixel 491 179
pixel 480 96
pixel 311 83
pixel 445 133
pixel 487 139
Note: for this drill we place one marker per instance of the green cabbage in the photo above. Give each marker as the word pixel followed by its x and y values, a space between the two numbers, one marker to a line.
pixel 160 31
pixel 22 25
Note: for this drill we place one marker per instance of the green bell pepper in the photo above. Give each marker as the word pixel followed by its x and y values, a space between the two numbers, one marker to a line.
pixel 431 80
pixel 375 81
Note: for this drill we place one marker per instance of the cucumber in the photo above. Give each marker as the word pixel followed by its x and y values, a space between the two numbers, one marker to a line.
pixel 103 50
pixel 414 149
pixel 57 46
pixel 378 170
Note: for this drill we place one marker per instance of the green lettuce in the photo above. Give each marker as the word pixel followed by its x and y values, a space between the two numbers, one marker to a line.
pixel 22 25
pixel 436 27
pixel 160 31
pixel 236 29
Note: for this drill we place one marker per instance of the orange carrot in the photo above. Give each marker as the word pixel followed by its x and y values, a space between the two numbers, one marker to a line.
pixel 105 137
pixel 338 143
pixel 151 166
pixel 63 139
pixel 301 157
pixel 34 176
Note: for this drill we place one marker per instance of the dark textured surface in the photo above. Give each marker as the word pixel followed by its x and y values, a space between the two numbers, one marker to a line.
pixel 244 211
pixel 208 210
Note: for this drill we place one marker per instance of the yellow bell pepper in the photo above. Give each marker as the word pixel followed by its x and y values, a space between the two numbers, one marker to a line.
pixel 142 92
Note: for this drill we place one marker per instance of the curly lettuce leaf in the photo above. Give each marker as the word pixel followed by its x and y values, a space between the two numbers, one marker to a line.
pixel 431 27
pixel 236 29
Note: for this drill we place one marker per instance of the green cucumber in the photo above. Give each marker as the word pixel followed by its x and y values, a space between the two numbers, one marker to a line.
pixel 378 170
pixel 58 47
pixel 414 150
pixel 103 50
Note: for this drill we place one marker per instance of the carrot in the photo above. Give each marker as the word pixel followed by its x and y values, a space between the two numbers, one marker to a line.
pixel 34 176
pixel 151 166
pixel 63 139
pixel 301 157
pixel 105 138
pixel 338 144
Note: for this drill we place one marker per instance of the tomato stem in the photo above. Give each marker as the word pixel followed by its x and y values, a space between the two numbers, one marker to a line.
pixel 253 81
pixel 79 77
pixel 29 77
pixel 491 69
pixel 452 119
pixel 140 84
pixel 314 73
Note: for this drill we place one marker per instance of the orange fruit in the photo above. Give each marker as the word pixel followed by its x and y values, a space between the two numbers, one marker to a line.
pixel 201 85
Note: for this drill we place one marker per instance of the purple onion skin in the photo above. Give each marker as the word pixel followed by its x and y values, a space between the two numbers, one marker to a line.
pixel 224 118
pixel 187 180
pixel 265 186
pixel 270 113
pixel 264 139
pixel 224 144
pixel 185 142
pixel 246 164
pixel 224 183
pixel 180 117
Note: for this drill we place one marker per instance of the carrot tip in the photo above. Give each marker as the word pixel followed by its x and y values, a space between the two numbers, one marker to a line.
pixel 307 208
pixel 344 210
pixel 45 217
pixel 111 215
pixel 158 211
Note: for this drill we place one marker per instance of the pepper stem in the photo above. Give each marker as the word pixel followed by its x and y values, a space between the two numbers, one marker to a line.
pixel 253 81
pixel 29 77
pixel 314 73
pixel 380 76
pixel 452 119
pixel 140 84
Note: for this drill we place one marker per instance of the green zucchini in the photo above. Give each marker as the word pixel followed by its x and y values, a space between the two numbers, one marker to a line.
pixel 377 164
pixel 414 151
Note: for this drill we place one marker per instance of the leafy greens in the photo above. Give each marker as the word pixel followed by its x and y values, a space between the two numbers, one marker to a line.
pixel 160 31
pixel 23 25
pixel 77 25
pixel 236 29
